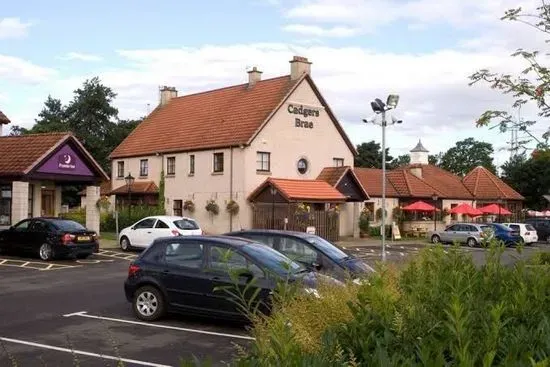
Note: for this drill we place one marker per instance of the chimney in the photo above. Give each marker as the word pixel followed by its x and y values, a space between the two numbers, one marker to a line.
pixel 254 76
pixel 298 66
pixel 166 94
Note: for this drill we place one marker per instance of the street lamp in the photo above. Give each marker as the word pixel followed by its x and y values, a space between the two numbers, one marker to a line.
pixel 129 182
pixel 499 201
pixel 380 108
pixel 434 198
pixel 273 193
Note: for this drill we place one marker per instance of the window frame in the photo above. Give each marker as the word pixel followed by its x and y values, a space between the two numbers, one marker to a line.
pixel 208 263
pixel 216 168
pixel 120 169
pixel 202 244
pixel 335 161
pixel 178 208
pixel 191 164
pixel 260 161
pixel 143 220
pixel 7 201
pixel 143 172
pixel 30 210
pixel 171 166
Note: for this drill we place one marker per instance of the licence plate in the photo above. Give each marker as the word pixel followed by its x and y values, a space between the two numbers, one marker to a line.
pixel 84 238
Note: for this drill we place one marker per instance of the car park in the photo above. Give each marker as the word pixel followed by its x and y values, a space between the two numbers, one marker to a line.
pixel 182 274
pixel 527 232
pixel 542 226
pixel 506 235
pixel 471 234
pixel 49 238
pixel 311 250
pixel 142 233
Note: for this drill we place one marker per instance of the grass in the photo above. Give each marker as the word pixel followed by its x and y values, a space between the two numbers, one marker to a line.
pixel 111 236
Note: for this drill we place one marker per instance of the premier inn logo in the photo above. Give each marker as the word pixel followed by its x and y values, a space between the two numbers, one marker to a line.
pixel 306 112
pixel 65 161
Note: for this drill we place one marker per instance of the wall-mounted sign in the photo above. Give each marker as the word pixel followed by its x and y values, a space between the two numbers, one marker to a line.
pixel 66 161
pixel 303 111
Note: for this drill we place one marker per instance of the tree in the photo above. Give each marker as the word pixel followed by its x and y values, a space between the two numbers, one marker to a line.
pixel 435 159
pixel 466 155
pixel 17 130
pixel 532 86
pixel 52 118
pixel 370 155
pixel 402 160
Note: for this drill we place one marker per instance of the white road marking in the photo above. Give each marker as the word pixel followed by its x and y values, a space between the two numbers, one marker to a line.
pixel 402 253
pixel 81 352
pixel 371 250
pixel 85 314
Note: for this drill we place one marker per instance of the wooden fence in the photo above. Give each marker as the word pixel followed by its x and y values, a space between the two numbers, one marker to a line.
pixel 326 223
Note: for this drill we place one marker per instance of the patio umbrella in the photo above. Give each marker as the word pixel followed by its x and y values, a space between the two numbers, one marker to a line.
pixel 420 206
pixel 466 209
pixel 495 209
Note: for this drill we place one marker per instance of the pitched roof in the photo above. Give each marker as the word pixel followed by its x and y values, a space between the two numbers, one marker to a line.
pixel 301 190
pixel 138 187
pixel 333 176
pixel 419 148
pixel 448 184
pixel 4 119
pixel 214 119
pixel 371 180
pixel 485 185
pixel 409 185
pixel 104 189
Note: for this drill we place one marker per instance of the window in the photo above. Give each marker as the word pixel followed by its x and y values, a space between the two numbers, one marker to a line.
pixel 186 224
pixel 39 226
pixel 67 225
pixel 192 164
pixel 144 167
pixel 171 166
pixel 145 223
pixel 218 162
pixel 178 207
pixel 263 161
pixel 31 200
pixel 226 260
pixel 297 250
pixel 338 162
pixel 161 224
pixel 184 254
pixel 302 166
pixel 22 226
pixel 5 205
pixel 120 169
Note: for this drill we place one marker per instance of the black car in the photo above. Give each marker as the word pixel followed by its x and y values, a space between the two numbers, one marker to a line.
pixel 312 251
pixel 183 275
pixel 49 238
pixel 542 226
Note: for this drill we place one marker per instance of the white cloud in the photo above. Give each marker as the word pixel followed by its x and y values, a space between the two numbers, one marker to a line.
pixel 22 71
pixel 81 57
pixel 13 28
pixel 313 30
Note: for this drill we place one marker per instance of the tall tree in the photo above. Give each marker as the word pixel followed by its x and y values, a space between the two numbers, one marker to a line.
pixel 401 160
pixel 435 159
pixel 531 86
pixel 466 155
pixel 370 155
pixel 52 117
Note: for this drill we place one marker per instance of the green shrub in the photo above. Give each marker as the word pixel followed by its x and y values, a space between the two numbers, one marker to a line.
pixel 364 223
pixel 126 219
pixel 78 215
pixel 541 258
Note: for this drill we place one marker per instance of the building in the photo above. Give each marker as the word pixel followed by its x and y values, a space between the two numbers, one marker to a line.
pixel 261 144
pixel 420 180
pixel 33 170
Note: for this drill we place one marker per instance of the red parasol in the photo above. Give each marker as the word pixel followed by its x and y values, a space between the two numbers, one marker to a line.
pixel 466 209
pixel 495 209
pixel 420 206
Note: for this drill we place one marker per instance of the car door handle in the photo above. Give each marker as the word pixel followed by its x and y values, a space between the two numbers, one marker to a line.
pixel 148 231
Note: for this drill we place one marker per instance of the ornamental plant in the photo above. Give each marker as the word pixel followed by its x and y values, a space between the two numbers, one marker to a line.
pixel 232 207
pixel 212 207
pixel 302 208
pixel 189 206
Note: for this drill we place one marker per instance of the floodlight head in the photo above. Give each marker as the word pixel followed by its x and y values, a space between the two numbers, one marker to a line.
pixel 395 120
pixel 393 100
pixel 375 107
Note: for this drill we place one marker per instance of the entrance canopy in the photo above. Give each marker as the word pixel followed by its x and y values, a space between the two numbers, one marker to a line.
pixel 295 190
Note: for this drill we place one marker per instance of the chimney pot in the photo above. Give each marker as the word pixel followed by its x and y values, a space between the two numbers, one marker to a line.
pixel 166 94
pixel 299 65
pixel 254 76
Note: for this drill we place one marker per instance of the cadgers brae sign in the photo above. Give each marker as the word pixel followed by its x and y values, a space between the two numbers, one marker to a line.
pixel 305 112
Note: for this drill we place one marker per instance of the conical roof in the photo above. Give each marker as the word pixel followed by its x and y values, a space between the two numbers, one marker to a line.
pixel 4 119
pixel 419 148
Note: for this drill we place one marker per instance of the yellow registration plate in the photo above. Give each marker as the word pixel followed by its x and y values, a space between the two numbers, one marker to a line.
pixel 84 238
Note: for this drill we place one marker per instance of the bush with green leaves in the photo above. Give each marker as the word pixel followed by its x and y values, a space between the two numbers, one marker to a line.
pixel 127 218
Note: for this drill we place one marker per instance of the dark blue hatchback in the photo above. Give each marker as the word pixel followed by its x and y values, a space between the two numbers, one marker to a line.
pixel 312 251
pixel 505 234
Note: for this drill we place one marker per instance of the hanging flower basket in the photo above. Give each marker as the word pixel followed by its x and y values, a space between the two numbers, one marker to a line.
pixel 189 206
pixel 232 207
pixel 446 212
pixel 302 209
pixel 212 207
pixel 334 210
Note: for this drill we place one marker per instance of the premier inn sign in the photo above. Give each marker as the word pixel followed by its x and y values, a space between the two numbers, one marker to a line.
pixel 305 112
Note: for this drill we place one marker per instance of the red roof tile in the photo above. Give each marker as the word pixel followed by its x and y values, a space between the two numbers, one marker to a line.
pixel 333 176
pixel 104 189
pixel 485 185
pixel 301 190
pixel 371 180
pixel 448 185
pixel 138 187
pixel 4 119
pixel 409 185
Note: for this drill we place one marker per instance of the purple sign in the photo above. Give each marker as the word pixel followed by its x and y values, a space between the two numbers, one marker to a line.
pixel 66 161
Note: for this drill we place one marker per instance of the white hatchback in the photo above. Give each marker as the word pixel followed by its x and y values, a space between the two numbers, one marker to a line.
pixel 142 233
pixel 526 231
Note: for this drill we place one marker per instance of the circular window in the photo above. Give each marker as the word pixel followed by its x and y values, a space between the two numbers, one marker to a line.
pixel 302 165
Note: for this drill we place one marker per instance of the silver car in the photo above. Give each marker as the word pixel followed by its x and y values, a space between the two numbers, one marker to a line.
pixel 471 234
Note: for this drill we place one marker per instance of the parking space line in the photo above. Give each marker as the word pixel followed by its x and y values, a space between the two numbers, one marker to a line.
pixel 198 331
pixel 117 255
pixel 81 352
pixel 42 266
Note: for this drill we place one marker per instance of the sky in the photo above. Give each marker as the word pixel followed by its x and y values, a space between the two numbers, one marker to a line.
pixel 423 50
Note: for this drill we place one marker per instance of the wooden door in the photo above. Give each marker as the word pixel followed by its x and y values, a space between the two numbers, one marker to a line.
pixel 48 202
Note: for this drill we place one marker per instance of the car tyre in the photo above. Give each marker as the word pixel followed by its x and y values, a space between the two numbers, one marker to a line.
pixel 45 252
pixel 125 244
pixel 436 239
pixel 149 303
pixel 471 242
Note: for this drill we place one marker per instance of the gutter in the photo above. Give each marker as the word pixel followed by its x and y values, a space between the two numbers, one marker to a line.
pixel 231 185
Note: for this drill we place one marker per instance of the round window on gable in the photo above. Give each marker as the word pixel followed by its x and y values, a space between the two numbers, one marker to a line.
pixel 302 165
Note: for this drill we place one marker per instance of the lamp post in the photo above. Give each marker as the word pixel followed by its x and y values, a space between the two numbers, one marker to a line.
pixel 380 108
pixel 499 201
pixel 273 193
pixel 434 198
pixel 129 182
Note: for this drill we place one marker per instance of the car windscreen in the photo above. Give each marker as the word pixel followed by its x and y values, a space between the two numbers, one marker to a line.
pixel 272 259
pixel 67 225
pixel 186 224
pixel 530 227
pixel 327 248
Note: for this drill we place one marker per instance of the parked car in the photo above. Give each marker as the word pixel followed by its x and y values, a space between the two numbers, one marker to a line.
pixel 471 234
pixel 542 225
pixel 181 274
pixel 527 232
pixel 313 251
pixel 142 233
pixel 507 235
pixel 49 238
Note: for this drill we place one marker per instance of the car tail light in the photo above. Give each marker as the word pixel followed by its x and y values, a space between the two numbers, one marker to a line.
pixel 67 238
pixel 133 270
pixel 175 233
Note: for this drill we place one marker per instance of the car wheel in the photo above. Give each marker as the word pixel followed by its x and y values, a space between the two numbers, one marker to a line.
pixel 125 244
pixel 436 239
pixel 148 303
pixel 471 242
pixel 45 252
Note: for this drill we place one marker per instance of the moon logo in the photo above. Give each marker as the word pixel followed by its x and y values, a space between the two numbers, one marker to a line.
pixel 67 158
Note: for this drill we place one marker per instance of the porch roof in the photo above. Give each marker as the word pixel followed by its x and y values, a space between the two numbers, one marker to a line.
pixel 295 190
pixel 138 187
